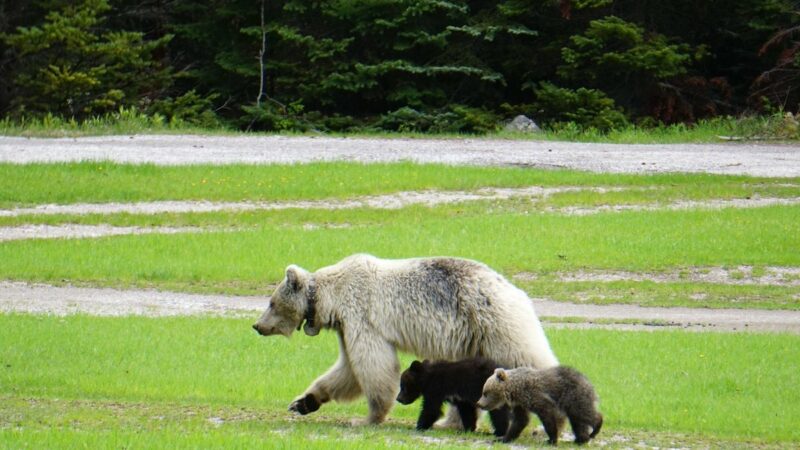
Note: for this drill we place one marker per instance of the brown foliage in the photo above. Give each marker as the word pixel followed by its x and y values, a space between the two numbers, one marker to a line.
pixel 691 98
pixel 780 85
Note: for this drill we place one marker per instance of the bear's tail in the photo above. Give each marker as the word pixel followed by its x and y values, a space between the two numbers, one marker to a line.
pixel 597 426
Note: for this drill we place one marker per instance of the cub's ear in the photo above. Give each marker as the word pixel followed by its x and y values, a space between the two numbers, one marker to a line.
pixel 501 374
pixel 293 277
pixel 416 366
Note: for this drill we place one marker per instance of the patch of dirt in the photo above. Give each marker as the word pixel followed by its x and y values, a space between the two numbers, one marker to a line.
pixel 773 160
pixel 389 201
pixel 85 231
pixel 680 205
pixel 737 275
pixel 45 299
pixel 651 318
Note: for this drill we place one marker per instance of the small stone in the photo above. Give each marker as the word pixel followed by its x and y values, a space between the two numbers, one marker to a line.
pixel 522 124
pixel 217 421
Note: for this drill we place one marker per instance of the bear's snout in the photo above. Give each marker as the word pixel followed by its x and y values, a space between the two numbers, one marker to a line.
pixel 259 330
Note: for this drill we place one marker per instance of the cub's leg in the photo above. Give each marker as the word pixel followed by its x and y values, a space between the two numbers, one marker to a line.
pixel 519 421
pixel 469 415
pixel 499 420
pixel 431 411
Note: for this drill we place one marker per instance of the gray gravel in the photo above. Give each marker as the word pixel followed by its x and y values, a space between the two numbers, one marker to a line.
pixel 62 300
pixel 693 319
pixel 746 159
pixel 734 275
pixel 21 297
pixel 388 201
pixel 85 231
pixel 45 299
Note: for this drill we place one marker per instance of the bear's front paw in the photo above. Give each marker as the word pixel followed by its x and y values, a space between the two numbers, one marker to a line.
pixel 305 405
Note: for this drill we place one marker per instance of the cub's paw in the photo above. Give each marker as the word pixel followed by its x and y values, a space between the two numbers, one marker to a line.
pixel 304 405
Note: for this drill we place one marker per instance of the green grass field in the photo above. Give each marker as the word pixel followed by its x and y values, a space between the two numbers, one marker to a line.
pixel 28 184
pixel 246 251
pixel 201 382
pixel 183 382
pixel 251 260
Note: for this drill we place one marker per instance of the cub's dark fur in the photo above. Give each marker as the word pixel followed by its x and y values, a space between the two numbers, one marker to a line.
pixel 553 394
pixel 459 383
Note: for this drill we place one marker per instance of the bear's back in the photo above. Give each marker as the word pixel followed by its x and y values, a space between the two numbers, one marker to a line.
pixel 425 305
pixel 561 383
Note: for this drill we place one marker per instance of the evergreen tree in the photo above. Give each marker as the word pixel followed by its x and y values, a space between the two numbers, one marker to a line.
pixel 71 66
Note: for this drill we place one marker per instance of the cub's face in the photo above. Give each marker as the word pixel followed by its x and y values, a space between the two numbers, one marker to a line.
pixel 411 382
pixel 494 391
pixel 286 306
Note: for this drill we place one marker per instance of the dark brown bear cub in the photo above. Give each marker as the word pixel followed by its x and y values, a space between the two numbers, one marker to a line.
pixel 555 395
pixel 459 383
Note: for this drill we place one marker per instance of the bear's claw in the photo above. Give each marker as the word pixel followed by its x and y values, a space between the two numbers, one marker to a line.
pixel 304 405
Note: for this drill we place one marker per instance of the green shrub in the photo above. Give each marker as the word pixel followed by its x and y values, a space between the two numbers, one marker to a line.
pixel 586 108
pixel 453 119
pixel 272 116
pixel 190 108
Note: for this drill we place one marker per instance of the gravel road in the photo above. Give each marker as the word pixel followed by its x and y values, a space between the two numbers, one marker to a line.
pixel 45 299
pixel 744 159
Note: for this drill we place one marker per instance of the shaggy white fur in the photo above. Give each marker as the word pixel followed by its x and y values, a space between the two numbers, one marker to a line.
pixel 436 308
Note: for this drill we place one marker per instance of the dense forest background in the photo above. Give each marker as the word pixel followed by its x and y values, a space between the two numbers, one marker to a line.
pixel 422 65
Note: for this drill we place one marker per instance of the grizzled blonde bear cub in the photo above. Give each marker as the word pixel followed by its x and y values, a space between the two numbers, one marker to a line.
pixel 553 394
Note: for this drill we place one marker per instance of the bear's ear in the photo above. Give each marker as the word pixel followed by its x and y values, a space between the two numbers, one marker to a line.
pixel 416 366
pixel 293 277
pixel 501 374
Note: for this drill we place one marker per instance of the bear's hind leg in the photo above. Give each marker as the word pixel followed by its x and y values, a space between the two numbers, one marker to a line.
pixel 597 425
pixel 551 421
pixel 580 429
pixel 469 415
pixel 374 363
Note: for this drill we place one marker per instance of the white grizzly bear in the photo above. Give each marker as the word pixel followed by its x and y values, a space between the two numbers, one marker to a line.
pixel 435 308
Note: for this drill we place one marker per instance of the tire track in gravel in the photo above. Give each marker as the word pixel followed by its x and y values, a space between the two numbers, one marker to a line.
pixel 388 201
pixel 20 297
pixel 73 231
pixel 736 275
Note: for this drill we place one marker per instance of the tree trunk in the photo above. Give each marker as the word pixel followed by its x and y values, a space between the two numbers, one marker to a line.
pixel 262 92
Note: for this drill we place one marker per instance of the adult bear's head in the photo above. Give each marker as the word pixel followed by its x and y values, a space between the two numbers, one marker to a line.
pixel 291 303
